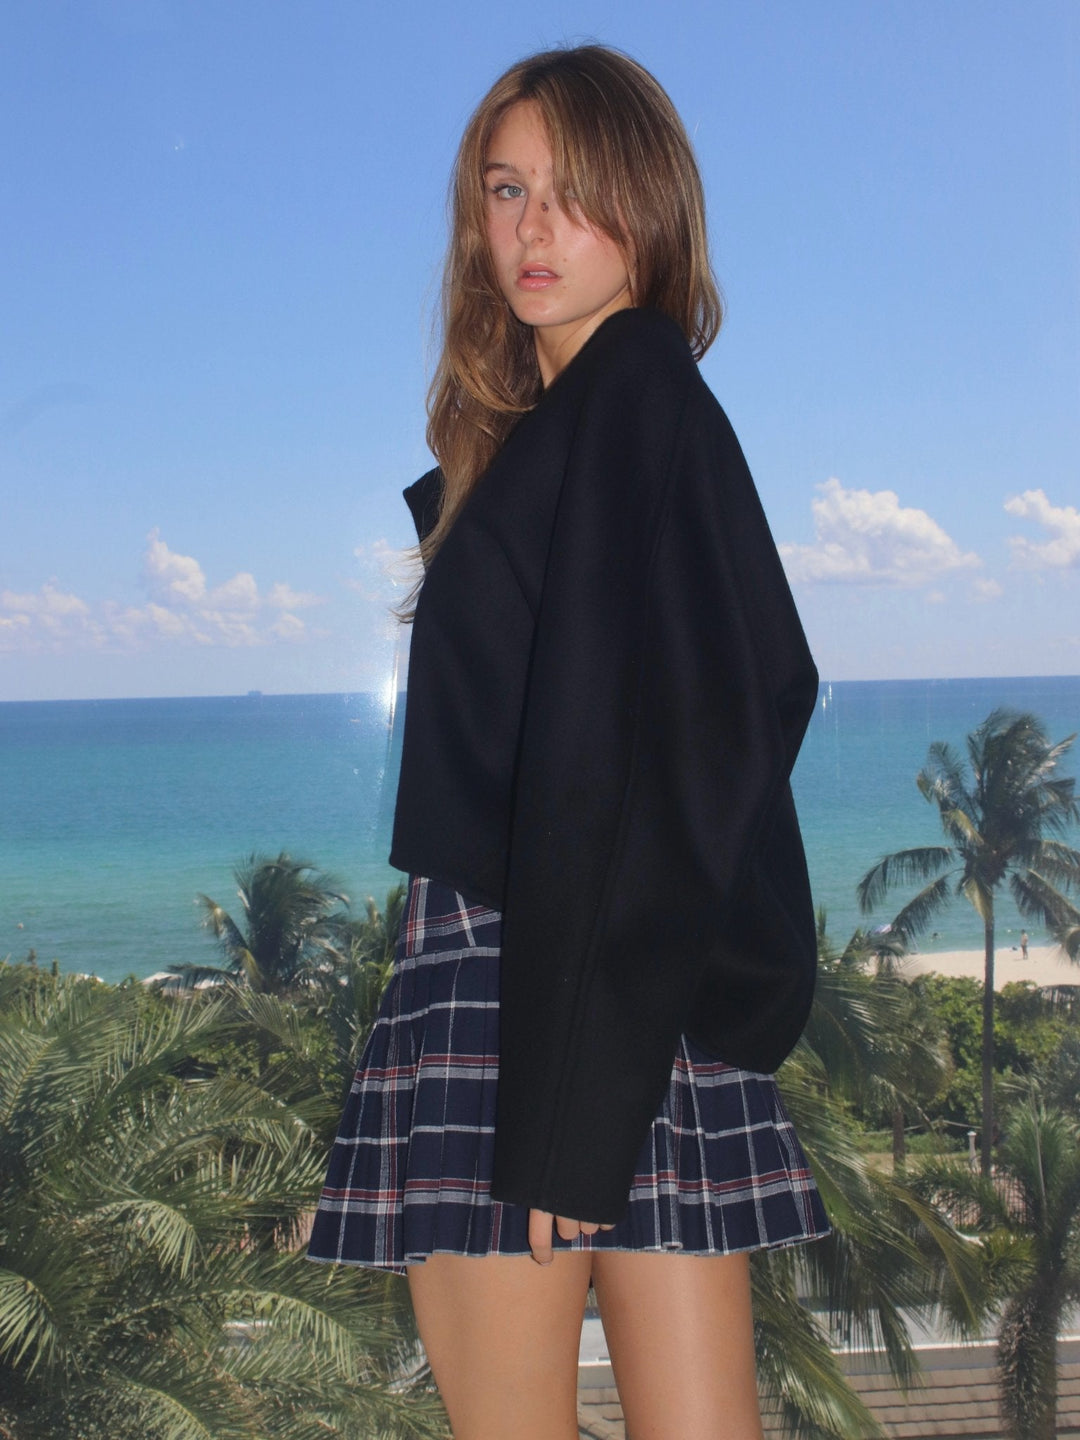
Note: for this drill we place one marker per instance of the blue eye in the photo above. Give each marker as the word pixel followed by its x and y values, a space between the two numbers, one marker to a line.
pixel 503 190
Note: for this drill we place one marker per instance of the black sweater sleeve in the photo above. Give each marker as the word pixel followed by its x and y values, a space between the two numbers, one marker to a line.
pixel 668 690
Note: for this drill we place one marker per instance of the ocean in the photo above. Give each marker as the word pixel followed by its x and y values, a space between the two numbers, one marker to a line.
pixel 116 814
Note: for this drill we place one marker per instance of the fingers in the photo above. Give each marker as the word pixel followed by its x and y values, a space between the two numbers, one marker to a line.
pixel 540 1236
pixel 541 1226
pixel 571 1229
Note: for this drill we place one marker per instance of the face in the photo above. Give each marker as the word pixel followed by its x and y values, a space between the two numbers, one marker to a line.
pixel 558 273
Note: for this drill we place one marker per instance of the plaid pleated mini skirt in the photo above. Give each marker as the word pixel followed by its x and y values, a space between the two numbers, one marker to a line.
pixel 410 1172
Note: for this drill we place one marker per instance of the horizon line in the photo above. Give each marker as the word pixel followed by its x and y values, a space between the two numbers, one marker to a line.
pixel 823 682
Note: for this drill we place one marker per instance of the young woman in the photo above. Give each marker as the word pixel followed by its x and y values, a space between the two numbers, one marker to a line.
pixel 608 945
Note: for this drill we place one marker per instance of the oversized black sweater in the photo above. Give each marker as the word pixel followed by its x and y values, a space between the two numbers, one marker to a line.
pixel 608 687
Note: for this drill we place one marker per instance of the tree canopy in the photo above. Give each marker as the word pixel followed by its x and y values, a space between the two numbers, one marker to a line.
pixel 1005 808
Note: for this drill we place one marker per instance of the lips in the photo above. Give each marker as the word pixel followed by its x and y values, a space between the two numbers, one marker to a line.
pixel 535 277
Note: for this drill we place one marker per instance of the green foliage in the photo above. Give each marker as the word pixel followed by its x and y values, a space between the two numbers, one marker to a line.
pixel 881 1044
pixel 1033 1028
pixel 1059 1079
pixel 938 1141
pixel 291 933
pixel 158 1152
pixel 999 807
pixel 150 1206
pixel 365 962
pixel 1027 1216
pixel 798 1373
pixel 890 1251
pixel 307 1040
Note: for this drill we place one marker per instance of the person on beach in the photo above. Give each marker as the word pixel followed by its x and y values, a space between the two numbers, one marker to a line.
pixel 608 944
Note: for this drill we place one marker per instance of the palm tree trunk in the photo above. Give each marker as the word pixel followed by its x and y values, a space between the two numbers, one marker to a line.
pixel 1027 1356
pixel 899 1139
pixel 987 1147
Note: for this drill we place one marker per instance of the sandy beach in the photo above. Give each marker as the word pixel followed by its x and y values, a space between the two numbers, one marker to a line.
pixel 1045 965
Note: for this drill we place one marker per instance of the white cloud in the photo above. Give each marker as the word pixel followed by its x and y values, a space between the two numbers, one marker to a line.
pixel 288 627
pixel 1062 550
pixel 45 619
pixel 181 609
pixel 225 627
pixel 239 593
pixel 165 621
pixel 48 602
pixel 984 589
pixel 284 597
pixel 866 537
pixel 232 614
pixel 169 577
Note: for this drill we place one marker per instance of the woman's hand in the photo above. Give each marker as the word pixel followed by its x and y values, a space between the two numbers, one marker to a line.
pixel 540 1232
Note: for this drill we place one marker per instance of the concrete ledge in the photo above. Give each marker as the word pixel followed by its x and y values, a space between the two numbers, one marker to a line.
pixel 955 1397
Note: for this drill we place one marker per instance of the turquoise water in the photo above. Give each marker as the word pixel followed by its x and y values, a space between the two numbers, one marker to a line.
pixel 855 784
pixel 115 814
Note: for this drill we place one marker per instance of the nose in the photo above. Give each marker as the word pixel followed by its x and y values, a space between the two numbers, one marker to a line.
pixel 535 221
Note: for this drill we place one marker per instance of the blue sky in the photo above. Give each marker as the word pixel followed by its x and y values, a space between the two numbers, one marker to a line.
pixel 223 227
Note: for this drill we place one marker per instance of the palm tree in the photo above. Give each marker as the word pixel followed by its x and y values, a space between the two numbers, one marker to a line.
pixel 881 1046
pixel 997 810
pixel 293 923
pixel 890 1251
pixel 132 1301
pixel 1029 1215
pixel 368 948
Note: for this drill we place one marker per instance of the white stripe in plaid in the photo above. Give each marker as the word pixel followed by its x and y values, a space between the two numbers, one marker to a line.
pixel 721 1169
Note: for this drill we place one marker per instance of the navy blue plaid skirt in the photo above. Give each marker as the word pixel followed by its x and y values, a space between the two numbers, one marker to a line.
pixel 410 1172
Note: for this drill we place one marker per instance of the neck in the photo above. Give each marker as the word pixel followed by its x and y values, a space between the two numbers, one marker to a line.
pixel 556 345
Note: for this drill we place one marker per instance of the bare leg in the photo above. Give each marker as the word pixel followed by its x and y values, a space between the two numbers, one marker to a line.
pixel 502 1335
pixel 680 1334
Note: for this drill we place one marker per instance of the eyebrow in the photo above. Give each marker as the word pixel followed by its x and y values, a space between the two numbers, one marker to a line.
pixel 500 165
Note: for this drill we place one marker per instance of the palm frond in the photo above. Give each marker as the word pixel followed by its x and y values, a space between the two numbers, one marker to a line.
pixel 860 1028
pixel 798 1372
pixel 168 1403
pixel 144 1203
pixel 943 779
pixel 901 868
pixel 222 926
pixel 956 1189
pixel 1068 937
pixel 22 1052
pixel 1042 1152
pixel 151 1224
pixel 978 894
pixel 846 1028
pixel 309 1306
pixel 1060 862
pixel 916 915
pixel 28 1330
pixel 295 925
pixel 961 828
pixel 1036 898
pixel 884 949
pixel 880 1261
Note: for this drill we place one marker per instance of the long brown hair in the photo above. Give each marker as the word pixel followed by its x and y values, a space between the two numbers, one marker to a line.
pixel 619 148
